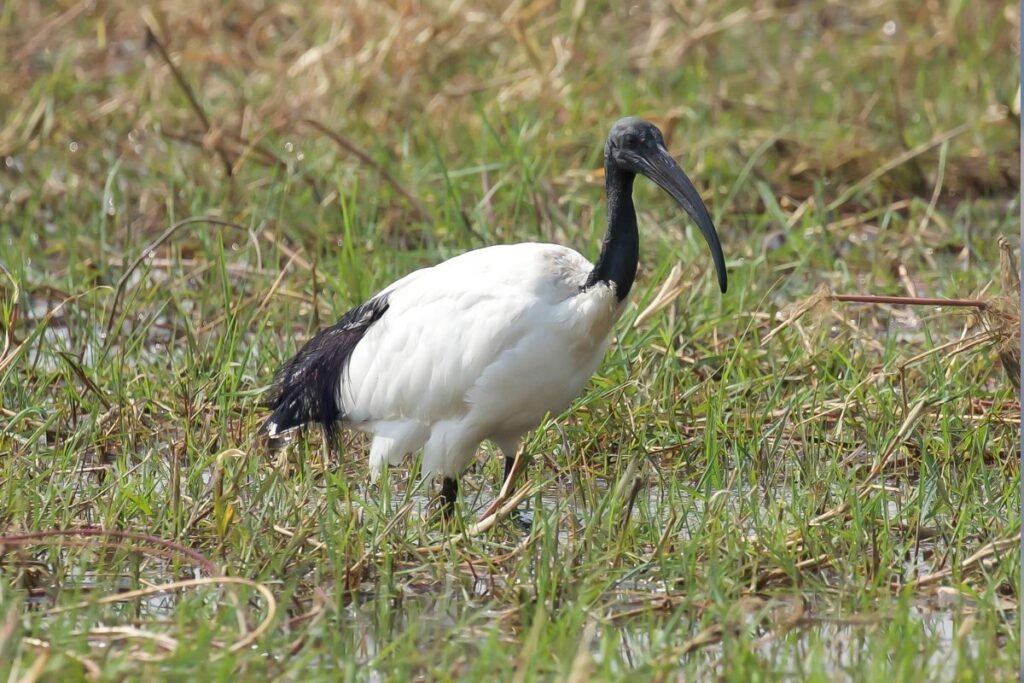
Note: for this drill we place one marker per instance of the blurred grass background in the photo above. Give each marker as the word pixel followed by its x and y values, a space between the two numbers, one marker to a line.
pixel 868 148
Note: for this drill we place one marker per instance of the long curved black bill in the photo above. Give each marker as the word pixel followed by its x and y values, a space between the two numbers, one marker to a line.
pixel 663 170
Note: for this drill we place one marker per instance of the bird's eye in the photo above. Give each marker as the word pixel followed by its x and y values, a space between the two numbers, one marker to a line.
pixel 630 140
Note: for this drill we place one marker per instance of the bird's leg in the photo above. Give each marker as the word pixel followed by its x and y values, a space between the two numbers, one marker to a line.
pixel 510 462
pixel 449 492
pixel 513 468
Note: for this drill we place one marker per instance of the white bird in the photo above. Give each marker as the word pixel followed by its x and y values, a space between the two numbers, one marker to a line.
pixel 484 345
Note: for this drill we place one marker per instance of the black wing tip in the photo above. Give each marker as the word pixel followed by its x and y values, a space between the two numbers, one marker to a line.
pixel 277 424
pixel 305 389
pixel 304 392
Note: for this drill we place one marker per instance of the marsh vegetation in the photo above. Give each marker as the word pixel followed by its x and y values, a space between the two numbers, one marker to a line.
pixel 743 493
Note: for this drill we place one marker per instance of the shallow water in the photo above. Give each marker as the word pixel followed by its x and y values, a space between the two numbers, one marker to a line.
pixel 447 607
pixel 455 610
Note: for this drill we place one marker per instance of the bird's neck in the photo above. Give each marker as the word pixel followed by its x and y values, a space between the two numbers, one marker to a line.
pixel 620 251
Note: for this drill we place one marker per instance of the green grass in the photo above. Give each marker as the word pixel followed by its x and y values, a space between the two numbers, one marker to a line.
pixel 681 526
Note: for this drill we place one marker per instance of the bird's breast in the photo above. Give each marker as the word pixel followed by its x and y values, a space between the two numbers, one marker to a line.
pixel 592 313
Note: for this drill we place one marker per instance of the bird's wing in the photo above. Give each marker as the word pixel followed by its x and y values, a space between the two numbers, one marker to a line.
pixel 414 350
pixel 445 325
pixel 305 388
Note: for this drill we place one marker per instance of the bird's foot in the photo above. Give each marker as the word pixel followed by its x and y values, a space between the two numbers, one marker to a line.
pixel 522 519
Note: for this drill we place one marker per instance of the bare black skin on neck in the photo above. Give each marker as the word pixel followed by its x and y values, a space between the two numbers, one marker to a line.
pixel 635 146
pixel 620 250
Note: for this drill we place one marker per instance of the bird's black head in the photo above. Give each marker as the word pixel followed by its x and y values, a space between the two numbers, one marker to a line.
pixel 637 146
pixel 630 141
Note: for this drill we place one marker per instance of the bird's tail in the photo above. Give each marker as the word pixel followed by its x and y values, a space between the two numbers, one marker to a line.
pixel 307 388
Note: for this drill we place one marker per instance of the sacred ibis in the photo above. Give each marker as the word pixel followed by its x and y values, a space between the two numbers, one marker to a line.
pixel 484 345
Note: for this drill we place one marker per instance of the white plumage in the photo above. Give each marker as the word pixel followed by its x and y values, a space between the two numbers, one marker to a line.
pixel 479 347
pixel 483 345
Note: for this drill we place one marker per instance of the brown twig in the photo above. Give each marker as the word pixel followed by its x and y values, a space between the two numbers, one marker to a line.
pixel 183 551
pixel 907 300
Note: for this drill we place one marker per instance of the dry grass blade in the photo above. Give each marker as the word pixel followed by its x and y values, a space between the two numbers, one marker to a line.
pixel 171 547
pixel 7 629
pixel 112 633
pixel 46 32
pixel 15 298
pixel 582 668
pixel 789 620
pixel 242 643
pixel 35 671
pixel 153 41
pixel 985 552
pixel 709 636
pixel 518 465
pixel 148 251
pixel 954 347
pixel 810 303
pixel 670 289
pixel 993 116
pixel 1003 317
pixel 10 357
